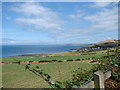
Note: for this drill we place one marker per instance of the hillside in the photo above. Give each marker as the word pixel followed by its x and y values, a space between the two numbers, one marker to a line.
pixel 102 44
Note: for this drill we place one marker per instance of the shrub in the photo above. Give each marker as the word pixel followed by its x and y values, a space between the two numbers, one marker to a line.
pixel 54 60
pixel 82 58
pixel 78 59
pixel 69 60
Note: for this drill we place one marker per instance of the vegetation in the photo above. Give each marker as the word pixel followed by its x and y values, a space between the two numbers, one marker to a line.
pixel 70 55
pixel 109 62
pixel 15 75
pixel 60 70
pixel 112 63
pixel 103 44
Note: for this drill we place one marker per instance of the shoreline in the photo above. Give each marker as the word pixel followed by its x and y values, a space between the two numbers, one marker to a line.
pixel 38 52
pixel 22 55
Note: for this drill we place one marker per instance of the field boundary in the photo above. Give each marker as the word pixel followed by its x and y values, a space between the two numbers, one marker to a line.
pixel 99 79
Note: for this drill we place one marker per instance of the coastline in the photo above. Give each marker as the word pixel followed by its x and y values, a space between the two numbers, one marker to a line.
pixel 14 51
pixel 22 55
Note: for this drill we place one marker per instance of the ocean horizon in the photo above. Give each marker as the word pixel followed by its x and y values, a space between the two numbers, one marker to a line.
pixel 15 50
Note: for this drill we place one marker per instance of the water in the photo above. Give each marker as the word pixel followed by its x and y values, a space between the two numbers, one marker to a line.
pixel 14 50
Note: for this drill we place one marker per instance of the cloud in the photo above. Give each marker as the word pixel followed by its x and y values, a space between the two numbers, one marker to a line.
pixel 103 21
pixel 100 4
pixel 10 41
pixel 77 15
pixel 35 9
pixel 7 40
pixel 38 16
pixel 106 20
pixel 40 23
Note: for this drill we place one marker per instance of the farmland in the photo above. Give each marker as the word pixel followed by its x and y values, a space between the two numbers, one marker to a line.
pixel 56 56
pixel 15 75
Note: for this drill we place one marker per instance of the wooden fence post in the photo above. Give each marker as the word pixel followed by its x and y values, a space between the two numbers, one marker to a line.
pixel 99 80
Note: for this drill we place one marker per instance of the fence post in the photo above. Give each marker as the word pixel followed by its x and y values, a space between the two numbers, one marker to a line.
pixel 99 80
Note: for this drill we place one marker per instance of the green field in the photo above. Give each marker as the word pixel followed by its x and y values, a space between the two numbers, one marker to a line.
pixel 15 75
pixel 57 56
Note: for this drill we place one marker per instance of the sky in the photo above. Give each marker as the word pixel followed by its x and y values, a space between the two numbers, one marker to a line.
pixel 47 23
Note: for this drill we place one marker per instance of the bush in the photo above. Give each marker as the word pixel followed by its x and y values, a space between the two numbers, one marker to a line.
pixel 79 78
pixel 82 58
pixel 54 60
pixel 78 59
pixel 69 60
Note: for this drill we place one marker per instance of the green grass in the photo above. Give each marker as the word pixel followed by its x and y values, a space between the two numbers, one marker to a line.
pixel 38 58
pixel 15 76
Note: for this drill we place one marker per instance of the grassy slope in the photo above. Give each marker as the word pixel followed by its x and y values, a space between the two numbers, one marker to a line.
pixel 105 43
pixel 15 76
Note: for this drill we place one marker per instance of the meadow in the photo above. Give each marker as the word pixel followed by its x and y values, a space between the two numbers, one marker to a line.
pixel 15 75
pixel 56 56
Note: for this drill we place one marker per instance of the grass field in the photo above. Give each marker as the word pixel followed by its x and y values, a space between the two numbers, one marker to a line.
pixel 56 56
pixel 15 75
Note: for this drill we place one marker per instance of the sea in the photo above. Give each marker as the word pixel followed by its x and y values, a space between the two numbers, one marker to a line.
pixel 15 50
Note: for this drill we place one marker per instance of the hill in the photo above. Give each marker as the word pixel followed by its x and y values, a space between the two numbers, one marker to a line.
pixel 102 44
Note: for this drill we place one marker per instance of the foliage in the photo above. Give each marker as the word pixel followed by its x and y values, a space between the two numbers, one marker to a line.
pixel 112 62
pixel 45 76
pixel 109 62
pixel 80 77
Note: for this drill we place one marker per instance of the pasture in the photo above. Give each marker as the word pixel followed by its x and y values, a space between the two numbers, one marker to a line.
pixel 15 75
pixel 55 56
